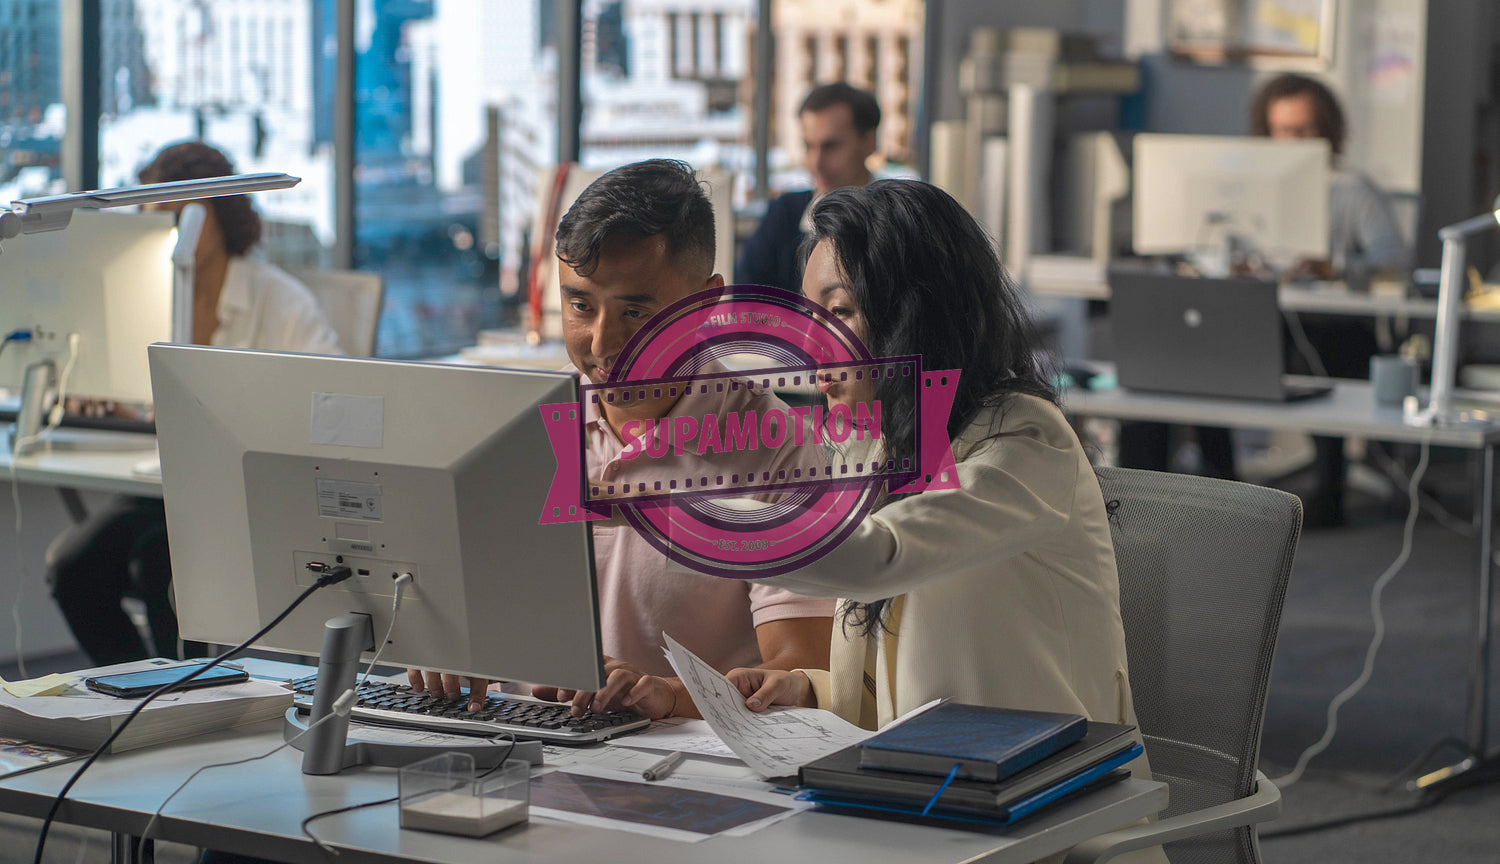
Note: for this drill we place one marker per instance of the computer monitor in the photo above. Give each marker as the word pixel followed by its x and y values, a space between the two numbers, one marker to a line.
pixel 1200 192
pixel 271 461
pixel 107 278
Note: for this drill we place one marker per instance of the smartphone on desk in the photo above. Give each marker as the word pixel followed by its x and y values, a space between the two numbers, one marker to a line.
pixel 134 685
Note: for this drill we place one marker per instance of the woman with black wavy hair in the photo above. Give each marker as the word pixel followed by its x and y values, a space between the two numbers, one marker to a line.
pixel 1001 592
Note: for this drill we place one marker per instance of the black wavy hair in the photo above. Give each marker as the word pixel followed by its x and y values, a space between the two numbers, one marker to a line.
pixel 1326 111
pixel 643 199
pixel 194 160
pixel 926 277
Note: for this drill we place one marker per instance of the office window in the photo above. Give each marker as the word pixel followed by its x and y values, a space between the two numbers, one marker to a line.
pixel 874 45
pixel 175 70
pixel 674 78
pixel 32 116
pixel 669 79
pixel 455 112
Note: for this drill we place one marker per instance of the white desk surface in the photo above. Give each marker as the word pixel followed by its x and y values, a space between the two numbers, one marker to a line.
pixel 1349 411
pixel 257 809
pixel 107 467
pixel 1327 298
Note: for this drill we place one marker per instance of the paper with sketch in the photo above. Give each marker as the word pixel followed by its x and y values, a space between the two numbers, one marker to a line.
pixel 680 733
pixel 775 743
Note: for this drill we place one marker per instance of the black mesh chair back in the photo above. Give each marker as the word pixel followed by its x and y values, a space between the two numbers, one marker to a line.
pixel 1203 574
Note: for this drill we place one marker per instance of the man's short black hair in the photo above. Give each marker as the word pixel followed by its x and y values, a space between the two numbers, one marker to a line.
pixel 861 103
pixel 644 199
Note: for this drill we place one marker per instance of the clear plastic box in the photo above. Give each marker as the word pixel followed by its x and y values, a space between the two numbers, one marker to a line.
pixel 444 794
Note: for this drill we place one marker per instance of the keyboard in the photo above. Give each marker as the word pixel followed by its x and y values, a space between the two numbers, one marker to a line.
pixel 390 704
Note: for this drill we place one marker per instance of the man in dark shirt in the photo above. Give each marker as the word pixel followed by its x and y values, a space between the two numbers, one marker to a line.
pixel 838 130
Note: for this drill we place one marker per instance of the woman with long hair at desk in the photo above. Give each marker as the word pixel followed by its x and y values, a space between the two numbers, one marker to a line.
pixel 1003 591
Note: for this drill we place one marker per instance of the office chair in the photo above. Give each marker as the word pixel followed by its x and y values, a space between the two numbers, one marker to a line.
pixel 351 299
pixel 1203 567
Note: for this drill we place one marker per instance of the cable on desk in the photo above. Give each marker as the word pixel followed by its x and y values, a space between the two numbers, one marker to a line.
pixel 1414 507
pixel 329 850
pixel 341 708
pixel 333 576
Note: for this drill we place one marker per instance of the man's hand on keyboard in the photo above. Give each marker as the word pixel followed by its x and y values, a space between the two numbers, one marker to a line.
pixel 625 689
pixel 450 686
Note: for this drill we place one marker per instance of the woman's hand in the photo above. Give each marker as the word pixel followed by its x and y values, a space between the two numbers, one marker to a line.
pixel 763 688
pixel 625 689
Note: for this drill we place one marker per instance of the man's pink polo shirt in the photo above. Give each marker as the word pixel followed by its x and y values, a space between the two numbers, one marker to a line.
pixel 641 594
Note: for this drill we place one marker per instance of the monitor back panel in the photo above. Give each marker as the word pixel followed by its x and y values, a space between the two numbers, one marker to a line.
pixel 107 278
pixel 1211 337
pixel 271 461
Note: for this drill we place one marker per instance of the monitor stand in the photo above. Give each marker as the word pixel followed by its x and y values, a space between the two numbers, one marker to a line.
pixel 330 747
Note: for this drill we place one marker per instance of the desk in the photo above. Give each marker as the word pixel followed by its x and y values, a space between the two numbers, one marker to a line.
pixel 1324 298
pixel 257 809
pixel 100 470
pixel 1349 411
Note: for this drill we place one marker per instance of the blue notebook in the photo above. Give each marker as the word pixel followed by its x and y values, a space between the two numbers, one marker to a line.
pixel 987 744
pixel 1105 772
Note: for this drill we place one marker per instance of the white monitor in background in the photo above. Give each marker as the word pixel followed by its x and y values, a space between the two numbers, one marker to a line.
pixel 107 279
pixel 1199 192
pixel 271 461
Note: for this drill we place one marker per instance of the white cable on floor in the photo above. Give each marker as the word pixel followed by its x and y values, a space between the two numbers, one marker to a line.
pixel 341 707
pixel 1414 506
pixel 1304 347
pixel 53 419
pixel 15 609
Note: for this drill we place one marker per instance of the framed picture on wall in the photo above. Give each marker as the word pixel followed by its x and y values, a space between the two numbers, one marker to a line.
pixel 1268 34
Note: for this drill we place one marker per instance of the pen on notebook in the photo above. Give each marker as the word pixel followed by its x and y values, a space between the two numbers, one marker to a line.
pixel 666 766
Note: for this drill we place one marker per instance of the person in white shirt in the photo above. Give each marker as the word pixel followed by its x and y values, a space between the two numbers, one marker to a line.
pixel 238 302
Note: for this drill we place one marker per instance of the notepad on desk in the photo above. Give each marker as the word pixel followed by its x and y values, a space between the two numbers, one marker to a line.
pixel 79 717
pixel 1104 747
pixel 985 743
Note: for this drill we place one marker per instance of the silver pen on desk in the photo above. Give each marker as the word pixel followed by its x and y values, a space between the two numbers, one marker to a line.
pixel 666 766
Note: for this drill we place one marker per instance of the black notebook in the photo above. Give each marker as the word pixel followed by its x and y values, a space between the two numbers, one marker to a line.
pixel 841 771
pixel 985 743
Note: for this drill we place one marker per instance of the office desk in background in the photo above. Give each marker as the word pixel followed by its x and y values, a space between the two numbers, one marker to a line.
pixel 1350 410
pixel 257 809
pixel 1322 298
pixel 109 466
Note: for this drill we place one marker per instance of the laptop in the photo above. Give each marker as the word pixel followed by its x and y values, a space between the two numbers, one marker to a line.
pixel 1205 337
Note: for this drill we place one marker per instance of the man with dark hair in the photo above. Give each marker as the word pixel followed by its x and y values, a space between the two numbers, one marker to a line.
pixel 637 240
pixel 1363 238
pixel 838 131
pixel 1362 233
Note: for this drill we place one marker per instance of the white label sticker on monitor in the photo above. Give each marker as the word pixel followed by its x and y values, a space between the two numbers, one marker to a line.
pixel 348 421
pixel 342 499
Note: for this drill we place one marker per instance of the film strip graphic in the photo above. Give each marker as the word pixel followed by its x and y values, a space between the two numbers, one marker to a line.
pixel 760 491
pixel 732 482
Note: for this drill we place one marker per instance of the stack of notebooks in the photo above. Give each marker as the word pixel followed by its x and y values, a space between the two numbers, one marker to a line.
pixel 76 717
pixel 970 763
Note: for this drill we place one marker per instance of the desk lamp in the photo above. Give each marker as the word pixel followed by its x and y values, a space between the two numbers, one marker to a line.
pixel 52 213
pixel 1450 304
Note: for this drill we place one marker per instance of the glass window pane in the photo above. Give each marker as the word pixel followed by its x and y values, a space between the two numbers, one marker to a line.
pixel 32 116
pixel 242 76
pixel 455 112
pixel 875 45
